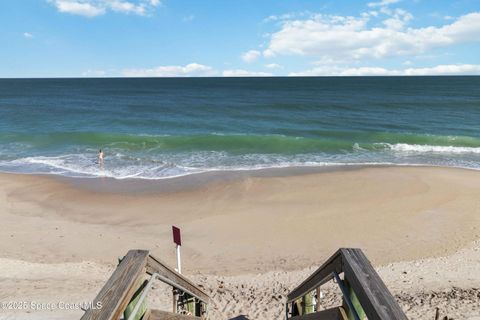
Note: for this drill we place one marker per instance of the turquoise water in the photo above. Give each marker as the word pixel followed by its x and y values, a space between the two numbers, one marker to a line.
pixel 160 128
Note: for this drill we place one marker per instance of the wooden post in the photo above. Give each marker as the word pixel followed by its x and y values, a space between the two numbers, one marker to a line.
pixel 175 296
pixel 308 303
pixel 318 299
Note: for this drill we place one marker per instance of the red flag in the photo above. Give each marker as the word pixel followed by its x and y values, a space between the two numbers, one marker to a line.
pixel 176 236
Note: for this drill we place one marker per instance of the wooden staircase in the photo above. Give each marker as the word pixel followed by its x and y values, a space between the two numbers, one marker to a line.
pixel 364 295
pixel 127 285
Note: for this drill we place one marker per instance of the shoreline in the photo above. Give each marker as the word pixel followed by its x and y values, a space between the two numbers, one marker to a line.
pixel 195 180
pixel 200 179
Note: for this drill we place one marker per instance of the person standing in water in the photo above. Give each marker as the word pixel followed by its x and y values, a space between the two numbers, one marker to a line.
pixel 100 157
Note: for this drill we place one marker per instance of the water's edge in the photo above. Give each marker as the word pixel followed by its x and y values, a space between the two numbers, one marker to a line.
pixel 199 180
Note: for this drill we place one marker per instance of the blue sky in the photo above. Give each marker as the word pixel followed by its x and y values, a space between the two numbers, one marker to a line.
pixel 89 38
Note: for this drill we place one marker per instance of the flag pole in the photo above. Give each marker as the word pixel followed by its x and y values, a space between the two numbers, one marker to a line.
pixel 179 260
pixel 178 242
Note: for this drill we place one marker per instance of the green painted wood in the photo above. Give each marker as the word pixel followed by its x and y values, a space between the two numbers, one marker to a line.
pixel 308 303
pixel 120 287
pixel 329 314
pixel 375 298
pixel 163 315
pixel 187 303
pixel 134 301
pixel 355 302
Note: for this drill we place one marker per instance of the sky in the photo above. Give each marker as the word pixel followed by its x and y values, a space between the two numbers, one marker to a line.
pixel 192 38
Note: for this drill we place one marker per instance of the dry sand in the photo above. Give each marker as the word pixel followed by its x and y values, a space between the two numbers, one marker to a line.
pixel 259 235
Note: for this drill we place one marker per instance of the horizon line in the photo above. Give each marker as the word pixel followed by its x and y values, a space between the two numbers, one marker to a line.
pixel 247 77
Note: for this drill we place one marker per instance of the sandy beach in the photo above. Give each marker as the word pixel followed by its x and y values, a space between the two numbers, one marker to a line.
pixel 291 142
pixel 260 235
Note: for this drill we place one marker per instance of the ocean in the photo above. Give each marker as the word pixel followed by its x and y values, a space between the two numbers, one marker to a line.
pixel 156 128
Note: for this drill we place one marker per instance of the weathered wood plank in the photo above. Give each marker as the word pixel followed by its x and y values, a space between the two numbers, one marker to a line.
pixel 328 314
pixel 156 266
pixel 163 315
pixel 375 298
pixel 319 277
pixel 117 292
pixel 343 314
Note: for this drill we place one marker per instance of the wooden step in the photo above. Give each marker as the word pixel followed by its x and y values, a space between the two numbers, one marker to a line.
pixel 328 314
pixel 163 315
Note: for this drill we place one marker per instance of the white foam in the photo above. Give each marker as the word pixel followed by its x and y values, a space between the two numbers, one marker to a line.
pixel 74 165
pixel 171 165
pixel 403 147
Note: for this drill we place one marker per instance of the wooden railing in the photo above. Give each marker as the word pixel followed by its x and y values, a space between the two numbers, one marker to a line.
pixel 125 291
pixel 364 293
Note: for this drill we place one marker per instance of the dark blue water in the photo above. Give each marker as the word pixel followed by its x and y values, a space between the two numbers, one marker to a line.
pixel 156 128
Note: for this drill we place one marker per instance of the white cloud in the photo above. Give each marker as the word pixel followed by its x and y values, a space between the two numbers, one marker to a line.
pixel 450 69
pixel 94 73
pixel 382 3
pixel 340 37
pixel 127 7
pixel 447 69
pixel 245 73
pixel 341 71
pixel 285 16
pixel 92 8
pixel 27 35
pixel 79 8
pixel 189 70
pixel 268 53
pixel 399 18
pixel 251 56
pixel 273 66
